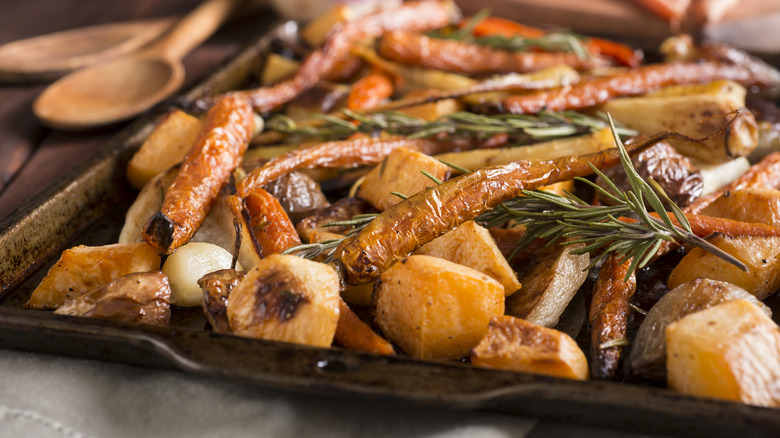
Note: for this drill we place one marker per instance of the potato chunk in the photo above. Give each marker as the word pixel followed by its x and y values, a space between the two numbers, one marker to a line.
pixel 760 254
pixel 188 264
pixel 435 309
pixel 164 147
pixel 729 351
pixel 472 245
pixel 85 268
pixel 400 172
pixel 518 345
pixel 286 298
pixel 143 297
pixel 748 205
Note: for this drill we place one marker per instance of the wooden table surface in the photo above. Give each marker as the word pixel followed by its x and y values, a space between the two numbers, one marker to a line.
pixel 33 156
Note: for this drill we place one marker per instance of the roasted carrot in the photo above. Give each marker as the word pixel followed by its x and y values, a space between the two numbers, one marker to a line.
pixel 333 154
pixel 621 53
pixel 370 91
pixel 608 316
pixel 764 174
pixel 421 218
pixel 470 58
pixel 412 16
pixel 355 334
pixel 272 230
pixel 671 10
pixel 594 91
pixel 223 138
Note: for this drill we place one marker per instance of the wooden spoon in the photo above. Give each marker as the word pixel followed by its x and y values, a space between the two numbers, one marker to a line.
pixel 122 88
pixel 48 57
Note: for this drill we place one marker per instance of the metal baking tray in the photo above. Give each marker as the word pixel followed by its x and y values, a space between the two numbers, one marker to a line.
pixel 87 207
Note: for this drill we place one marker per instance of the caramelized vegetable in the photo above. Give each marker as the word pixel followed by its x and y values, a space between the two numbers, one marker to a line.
pixel 140 297
pixel 756 205
pixel 469 58
pixel 608 316
pixel 416 221
pixel 597 90
pixel 332 154
pixel 412 16
pixel 518 345
pixel 298 194
pixel 648 350
pixel 342 210
pixel 272 230
pixel 355 334
pixel 216 294
pixel 370 91
pixel 223 139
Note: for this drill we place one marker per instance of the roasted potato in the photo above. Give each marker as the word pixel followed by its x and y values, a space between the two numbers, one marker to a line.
pixel 518 345
pixel 142 297
pixel 730 351
pixel 471 245
pixel 435 309
pixel 85 268
pixel 286 298
pixel 748 205
pixel 760 254
pixel 216 294
pixel 165 147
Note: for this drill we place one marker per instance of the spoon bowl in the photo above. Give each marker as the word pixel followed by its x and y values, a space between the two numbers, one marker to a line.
pixel 109 92
pixel 123 88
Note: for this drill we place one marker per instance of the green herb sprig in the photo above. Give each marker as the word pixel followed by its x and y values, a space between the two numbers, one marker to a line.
pixel 522 128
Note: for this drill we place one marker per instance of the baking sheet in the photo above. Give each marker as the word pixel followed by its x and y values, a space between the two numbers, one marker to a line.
pixel 87 207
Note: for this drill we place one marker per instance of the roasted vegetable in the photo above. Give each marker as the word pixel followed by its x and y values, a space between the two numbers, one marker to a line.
pixel 748 205
pixel 342 210
pixel 550 279
pixel 400 172
pixel 672 171
pixel 759 254
pixel 423 217
pixel 419 15
pixel 730 351
pixel 471 245
pixel 608 316
pixel 355 334
pixel 435 309
pixel 591 92
pixel 272 230
pixel 463 57
pixel 693 110
pixel 166 146
pixel 517 345
pixel 188 264
pixel 83 269
pixel 648 350
pixel 217 151
pixel 298 194
pixel 286 298
pixel 216 294
pixel 140 297
pixel 370 91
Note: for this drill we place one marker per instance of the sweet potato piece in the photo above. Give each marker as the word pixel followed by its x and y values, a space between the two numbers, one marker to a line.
pixel 165 146
pixel 435 309
pixel 84 268
pixel 471 245
pixel 760 254
pixel 143 297
pixel 518 345
pixel 730 351
pixel 355 334
pixel 286 298
pixel 400 172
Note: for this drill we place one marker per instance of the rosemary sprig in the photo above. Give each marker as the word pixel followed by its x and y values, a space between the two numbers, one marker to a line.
pixel 522 128
pixel 604 229
pixel 313 250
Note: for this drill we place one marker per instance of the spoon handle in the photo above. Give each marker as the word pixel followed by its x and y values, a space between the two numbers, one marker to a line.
pixel 194 28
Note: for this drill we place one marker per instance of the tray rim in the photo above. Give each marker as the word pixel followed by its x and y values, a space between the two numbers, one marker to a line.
pixel 169 348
